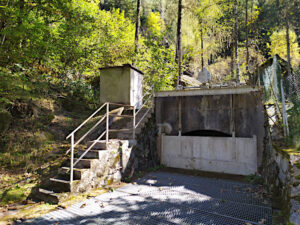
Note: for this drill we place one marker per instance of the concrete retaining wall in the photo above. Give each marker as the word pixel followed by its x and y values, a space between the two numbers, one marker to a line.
pixel 212 154
pixel 281 173
pixel 232 111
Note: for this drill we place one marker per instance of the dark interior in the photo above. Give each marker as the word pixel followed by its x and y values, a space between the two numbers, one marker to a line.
pixel 206 133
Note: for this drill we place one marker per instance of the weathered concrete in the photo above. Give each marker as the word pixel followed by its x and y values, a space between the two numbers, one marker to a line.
pixel 232 111
pixel 213 154
pixel 122 84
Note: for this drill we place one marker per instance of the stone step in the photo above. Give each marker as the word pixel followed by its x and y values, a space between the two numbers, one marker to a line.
pixel 102 145
pixel 82 164
pixel 92 154
pixel 128 135
pixel 77 173
pixel 99 145
pixel 47 196
pixel 59 185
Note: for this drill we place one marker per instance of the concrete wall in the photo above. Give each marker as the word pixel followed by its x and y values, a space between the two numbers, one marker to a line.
pixel 212 154
pixel 239 111
pixel 115 85
pixel 121 84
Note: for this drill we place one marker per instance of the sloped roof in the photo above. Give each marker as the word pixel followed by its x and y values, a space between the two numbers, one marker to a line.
pixel 283 64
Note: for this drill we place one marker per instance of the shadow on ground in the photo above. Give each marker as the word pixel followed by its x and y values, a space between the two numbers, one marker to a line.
pixel 170 198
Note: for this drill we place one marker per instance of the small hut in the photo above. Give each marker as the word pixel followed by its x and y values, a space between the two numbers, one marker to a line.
pixel 121 84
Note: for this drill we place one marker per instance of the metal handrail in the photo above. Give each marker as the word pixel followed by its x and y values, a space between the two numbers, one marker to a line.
pixel 87 133
pixel 142 118
pixel 86 151
pixel 144 104
pixel 135 125
pixel 106 132
pixel 83 123
pixel 118 104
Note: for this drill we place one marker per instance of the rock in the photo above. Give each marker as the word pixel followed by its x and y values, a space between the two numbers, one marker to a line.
pixel 204 76
pixel 295 212
pixel 295 191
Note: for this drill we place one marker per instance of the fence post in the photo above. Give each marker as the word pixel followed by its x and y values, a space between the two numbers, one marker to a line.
pixel 72 158
pixel 107 122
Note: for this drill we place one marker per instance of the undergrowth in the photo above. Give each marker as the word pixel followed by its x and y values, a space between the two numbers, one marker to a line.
pixel 37 111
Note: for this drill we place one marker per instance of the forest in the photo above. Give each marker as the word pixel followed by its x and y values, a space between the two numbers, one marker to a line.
pixel 51 52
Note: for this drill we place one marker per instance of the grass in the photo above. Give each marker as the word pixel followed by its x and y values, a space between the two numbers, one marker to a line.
pixel 17 194
pixel 292 151
pixel 15 188
pixel 34 210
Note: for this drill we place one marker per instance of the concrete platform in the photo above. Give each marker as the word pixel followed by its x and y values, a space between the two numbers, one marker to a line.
pixel 170 198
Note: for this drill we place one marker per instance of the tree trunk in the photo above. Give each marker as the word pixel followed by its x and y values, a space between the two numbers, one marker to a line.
pixel 202 53
pixel 247 42
pixel 137 26
pixel 162 9
pixel 288 46
pixel 236 43
pixel 178 46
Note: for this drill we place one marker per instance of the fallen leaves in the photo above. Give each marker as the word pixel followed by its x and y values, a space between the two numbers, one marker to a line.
pixel 103 204
pixel 262 221
pixel 83 205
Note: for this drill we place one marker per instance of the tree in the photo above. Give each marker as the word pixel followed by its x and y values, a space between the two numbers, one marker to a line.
pixel 279 45
pixel 287 26
pixel 137 24
pixel 247 39
pixel 178 45
pixel 236 32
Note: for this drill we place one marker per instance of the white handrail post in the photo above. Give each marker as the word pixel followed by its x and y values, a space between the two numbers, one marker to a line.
pixel 133 132
pixel 107 122
pixel 72 158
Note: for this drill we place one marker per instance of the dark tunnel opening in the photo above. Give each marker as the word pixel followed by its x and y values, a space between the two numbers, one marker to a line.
pixel 206 133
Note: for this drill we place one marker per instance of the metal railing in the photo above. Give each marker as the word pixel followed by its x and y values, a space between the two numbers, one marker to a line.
pixel 106 132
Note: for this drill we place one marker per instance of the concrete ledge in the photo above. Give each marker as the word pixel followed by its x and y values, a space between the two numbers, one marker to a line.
pixel 208 91
pixel 213 154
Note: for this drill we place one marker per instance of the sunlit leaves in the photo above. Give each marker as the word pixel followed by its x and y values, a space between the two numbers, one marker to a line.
pixel 278 46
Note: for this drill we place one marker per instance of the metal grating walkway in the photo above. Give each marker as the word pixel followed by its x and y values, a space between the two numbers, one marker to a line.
pixel 169 198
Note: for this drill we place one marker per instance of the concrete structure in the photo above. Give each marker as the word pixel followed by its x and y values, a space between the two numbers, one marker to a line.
pixel 219 112
pixel 214 154
pixel 121 84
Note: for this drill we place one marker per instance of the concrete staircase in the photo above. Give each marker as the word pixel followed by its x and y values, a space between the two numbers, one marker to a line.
pixel 100 166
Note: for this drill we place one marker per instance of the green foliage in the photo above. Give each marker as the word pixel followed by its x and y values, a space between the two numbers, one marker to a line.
pixel 64 37
pixel 5 120
pixel 158 63
pixel 294 125
pixel 254 179
pixel 278 46
pixel 16 194
pixel 155 23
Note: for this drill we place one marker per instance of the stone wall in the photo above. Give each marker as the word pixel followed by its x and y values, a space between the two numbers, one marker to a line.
pixel 281 172
pixel 144 152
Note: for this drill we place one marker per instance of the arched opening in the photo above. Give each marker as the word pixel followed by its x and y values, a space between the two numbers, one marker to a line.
pixel 206 133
